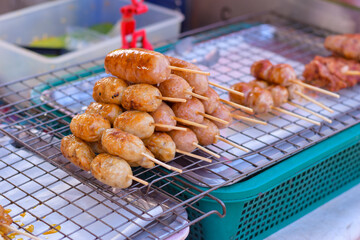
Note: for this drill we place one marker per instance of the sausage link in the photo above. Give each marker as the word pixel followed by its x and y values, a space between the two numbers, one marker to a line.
pixel 184 139
pixel 279 94
pixel 111 170
pixel 77 151
pixel 106 110
pixel 163 115
pixel 213 102
pixel 189 110
pixel 109 90
pixel 138 65
pixel 175 87
pixel 207 136
pixel 223 113
pixel 141 124
pixel 89 127
pixel 142 97
pixel 123 144
pixel 161 145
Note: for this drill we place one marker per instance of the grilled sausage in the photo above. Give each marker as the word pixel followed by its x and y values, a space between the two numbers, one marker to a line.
pixel 243 87
pixel 161 145
pixel 261 69
pixel 259 83
pixel 77 151
pixel 282 74
pixel 108 111
pixel 197 81
pixel 260 100
pixel 279 94
pixel 175 87
pixel 138 65
pixel 206 136
pixel 213 102
pixel 142 97
pixel 123 144
pixel 4 219
pixel 89 127
pixel 141 124
pixel 111 170
pixel 295 88
pixel 184 139
pixel 189 110
pixel 109 90
pixel 163 115
pixel 223 113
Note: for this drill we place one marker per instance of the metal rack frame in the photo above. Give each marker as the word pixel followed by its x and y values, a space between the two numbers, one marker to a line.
pixel 36 126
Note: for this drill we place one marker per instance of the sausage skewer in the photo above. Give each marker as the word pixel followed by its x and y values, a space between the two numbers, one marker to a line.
pixel 282 74
pixel 311 112
pixel 261 100
pixel 188 142
pixel 211 135
pixel 282 95
pixel 164 148
pixel 129 147
pixel 113 171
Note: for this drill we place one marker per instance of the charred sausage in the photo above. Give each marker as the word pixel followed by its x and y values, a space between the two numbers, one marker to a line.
pixel 142 97
pixel 109 90
pixel 106 110
pixel 161 145
pixel 89 127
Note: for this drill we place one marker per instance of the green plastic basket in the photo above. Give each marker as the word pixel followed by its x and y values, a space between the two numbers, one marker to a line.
pixel 267 202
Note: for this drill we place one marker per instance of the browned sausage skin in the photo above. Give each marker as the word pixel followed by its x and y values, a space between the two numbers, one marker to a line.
pixel 161 145
pixel 207 136
pixel 142 97
pixel 279 94
pixel 189 110
pixel 197 81
pixel 243 87
pixel 109 90
pixel 213 102
pixel 138 65
pixel 184 139
pixel 106 110
pixel 89 127
pixel 77 151
pixel 123 144
pixel 111 170
pixel 175 87
pixel 141 124
pixel 223 113
pixel 164 115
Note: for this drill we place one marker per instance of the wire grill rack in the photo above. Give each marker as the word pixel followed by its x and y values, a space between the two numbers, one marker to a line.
pixel 37 110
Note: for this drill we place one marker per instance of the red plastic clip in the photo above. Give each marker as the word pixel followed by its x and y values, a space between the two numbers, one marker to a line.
pixel 128 25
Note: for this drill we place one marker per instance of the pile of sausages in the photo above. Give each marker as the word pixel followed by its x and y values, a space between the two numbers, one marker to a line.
pixel 125 139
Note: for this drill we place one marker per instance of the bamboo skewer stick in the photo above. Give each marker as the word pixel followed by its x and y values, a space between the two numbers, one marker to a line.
pixel 231 143
pixel 248 119
pixel 161 163
pixel 136 179
pixel 197 95
pixel 194 155
pixel 316 88
pixel 226 89
pixel 246 109
pixel 295 115
pixel 206 150
pixel 189 70
pixel 310 111
pixel 352 72
pixel 170 99
pixel 213 118
pixel 187 122
pixel 314 101
pixel 20 232
pixel 169 126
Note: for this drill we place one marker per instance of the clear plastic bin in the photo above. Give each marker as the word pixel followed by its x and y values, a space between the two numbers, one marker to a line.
pixel 51 19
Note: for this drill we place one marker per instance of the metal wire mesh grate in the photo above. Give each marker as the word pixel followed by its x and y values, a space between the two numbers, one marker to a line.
pixel 37 111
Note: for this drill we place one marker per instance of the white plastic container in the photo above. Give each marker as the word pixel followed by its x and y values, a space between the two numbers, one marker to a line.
pixel 51 19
